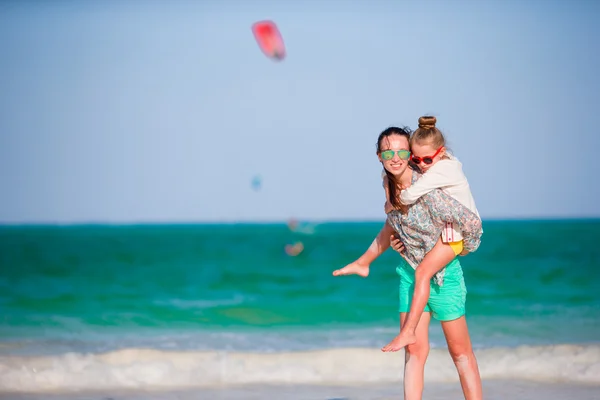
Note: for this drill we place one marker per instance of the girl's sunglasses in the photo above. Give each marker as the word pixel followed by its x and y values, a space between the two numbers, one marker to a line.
pixel 427 160
pixel 389 154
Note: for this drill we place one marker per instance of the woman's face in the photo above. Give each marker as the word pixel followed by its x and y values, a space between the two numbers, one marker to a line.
pixel 397 163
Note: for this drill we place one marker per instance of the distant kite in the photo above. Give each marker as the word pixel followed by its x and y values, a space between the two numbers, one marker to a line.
pixel 269 39
pixel 256 182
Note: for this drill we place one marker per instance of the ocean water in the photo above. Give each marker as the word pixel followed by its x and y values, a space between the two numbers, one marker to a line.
pixel 95 307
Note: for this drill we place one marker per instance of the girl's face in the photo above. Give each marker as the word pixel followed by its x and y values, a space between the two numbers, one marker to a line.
pixel 425 155
pixel 394 154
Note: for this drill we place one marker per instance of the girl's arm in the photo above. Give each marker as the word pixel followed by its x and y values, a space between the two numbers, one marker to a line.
pixel 445 208
pixel 443 173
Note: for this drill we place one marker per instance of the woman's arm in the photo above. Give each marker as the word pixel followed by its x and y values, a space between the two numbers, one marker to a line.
pixel 378 246
pixel 362 264
pixel 445 208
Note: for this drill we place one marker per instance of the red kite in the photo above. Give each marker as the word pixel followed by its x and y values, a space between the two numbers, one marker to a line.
pixel 269 39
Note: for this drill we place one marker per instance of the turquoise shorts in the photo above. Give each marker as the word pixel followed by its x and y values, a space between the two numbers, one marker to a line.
pixel 446 302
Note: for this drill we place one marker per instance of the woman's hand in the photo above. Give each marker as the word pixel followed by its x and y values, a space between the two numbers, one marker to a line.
pixel 396 243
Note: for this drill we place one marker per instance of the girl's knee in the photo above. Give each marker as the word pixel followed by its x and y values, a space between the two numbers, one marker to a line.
pixel 422 274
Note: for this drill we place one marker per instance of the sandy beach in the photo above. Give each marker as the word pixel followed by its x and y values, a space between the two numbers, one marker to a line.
pixel 493 390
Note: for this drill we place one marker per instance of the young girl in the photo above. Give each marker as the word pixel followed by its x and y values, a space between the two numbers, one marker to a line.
pixel 440 171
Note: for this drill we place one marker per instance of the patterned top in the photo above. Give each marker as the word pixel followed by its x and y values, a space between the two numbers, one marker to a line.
pixel 422 226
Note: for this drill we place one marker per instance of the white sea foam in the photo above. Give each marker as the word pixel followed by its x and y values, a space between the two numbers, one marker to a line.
pixel 157 369
pixel 202 304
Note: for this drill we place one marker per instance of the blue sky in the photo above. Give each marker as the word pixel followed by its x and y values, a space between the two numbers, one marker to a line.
pixel 141 111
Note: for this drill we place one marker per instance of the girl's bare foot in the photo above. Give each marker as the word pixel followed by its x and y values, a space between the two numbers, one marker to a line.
pixel 353 269
pixel 403 339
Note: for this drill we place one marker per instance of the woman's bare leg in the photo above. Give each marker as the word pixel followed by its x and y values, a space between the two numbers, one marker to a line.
pixel 461 351
pixel 436 259
pixel 415 357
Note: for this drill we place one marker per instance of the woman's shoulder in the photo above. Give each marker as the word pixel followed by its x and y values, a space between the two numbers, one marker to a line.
pixel 384 178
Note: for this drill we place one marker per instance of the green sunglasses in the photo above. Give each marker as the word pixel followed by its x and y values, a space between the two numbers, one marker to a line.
pixel 389 154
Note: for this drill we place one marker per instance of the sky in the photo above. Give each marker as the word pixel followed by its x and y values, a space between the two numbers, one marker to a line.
pixel 146 111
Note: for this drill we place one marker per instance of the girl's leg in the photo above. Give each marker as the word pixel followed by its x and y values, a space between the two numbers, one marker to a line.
pixel 461 351
pixel 415 357
pixel 436 259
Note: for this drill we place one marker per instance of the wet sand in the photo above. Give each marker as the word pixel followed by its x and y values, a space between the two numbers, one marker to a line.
pixel 493 390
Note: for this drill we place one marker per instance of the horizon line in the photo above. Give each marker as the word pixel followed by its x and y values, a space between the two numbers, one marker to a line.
pixel 272 222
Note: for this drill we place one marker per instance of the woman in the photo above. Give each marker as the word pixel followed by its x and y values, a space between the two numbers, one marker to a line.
pixel 419 227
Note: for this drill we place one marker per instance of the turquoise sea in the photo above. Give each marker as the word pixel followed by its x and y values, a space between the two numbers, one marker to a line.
pixel 86 306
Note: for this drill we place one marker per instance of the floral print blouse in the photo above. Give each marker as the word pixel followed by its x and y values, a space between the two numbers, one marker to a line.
pixel 422 226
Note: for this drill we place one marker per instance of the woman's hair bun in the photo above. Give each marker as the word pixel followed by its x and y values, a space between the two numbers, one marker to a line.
pixel 427 122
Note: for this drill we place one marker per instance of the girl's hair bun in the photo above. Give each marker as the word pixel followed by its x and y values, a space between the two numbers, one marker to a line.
pixel 427 122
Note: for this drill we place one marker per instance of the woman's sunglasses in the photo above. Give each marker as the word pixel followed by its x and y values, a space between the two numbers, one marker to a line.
pixel 427 160
pixel 389 154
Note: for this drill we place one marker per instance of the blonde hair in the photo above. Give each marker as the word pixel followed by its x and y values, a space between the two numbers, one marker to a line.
pixel 427 133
